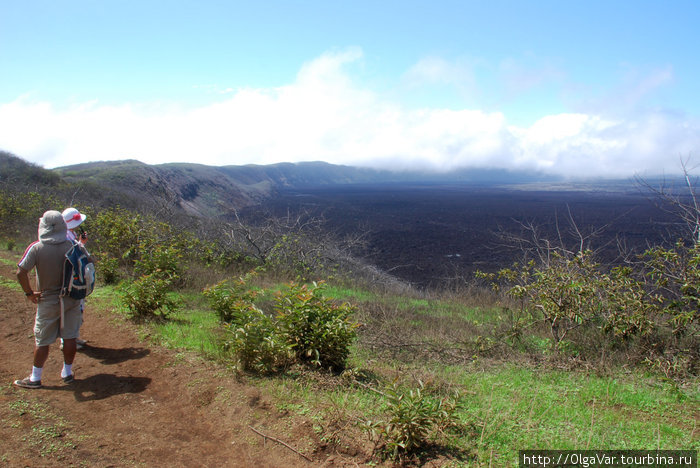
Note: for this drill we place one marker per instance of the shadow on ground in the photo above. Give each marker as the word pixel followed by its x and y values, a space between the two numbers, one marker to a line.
pixel 109 356
pixel 101 386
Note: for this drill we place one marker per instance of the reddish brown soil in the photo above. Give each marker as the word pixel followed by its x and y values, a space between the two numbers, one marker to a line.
pixel 134 404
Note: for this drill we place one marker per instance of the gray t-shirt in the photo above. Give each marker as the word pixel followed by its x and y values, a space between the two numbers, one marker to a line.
pixel 48 260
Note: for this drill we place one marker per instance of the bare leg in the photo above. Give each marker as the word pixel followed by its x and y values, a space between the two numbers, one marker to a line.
pixel 41 353
pixel 69 350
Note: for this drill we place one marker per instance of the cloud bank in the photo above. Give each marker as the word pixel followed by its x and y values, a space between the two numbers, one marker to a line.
pixel 326 115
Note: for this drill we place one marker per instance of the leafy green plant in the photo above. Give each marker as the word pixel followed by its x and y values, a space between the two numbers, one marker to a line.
pixel 415 420
pixel 319 331
pixel 565 293
pixel 232 300
pixel 307 327
pixel 257 343
pixel 109 270
pixel 117 234
pixel 675 273
pixel 572 291
pixel 162 261
pixel 147 297
pixel 630 307
pixel 24 208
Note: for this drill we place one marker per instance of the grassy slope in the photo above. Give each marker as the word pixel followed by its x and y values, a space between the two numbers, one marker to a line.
pixel 506 406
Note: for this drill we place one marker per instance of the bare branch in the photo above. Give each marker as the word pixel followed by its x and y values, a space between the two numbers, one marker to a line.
pixel 265 436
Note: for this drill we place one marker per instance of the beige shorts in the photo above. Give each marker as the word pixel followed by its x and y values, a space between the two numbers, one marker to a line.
pixel 47 326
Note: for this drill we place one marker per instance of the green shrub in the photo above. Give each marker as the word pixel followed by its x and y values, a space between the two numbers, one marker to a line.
pixel 147 297
pixel 24 209
pixel 116 233
pixel 631 307
pixel 257 344
pixel 675 273
pixel 162 261
pixel 109 270
pixel 232 300
pixel 313 329
pixel 319 331
pixel 565 293
pixel 652 304
pixel 415 420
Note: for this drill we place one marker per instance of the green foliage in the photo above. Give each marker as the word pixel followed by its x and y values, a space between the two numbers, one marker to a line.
pixel 109 270
pixel 675 273
pixel 147 297
pixel 319 331
pixel 253 338
pixel 142 245
pixel 162 261
pixel 215 253
pixel 566 292
pixel 116 233
pixel 631 307
pixel 23 210
pixel 415 420
pixel 656 299
pixel 232 300
pixel 257 343
pixel 312 327
pixel 295 255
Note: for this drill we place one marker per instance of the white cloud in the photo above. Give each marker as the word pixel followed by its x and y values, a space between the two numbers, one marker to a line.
pixel 326 115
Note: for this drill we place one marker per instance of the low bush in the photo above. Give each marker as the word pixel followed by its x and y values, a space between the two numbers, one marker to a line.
pixel 109 270
pixel 147 297
pixel 651 304
pixel 162 261
pixel 415 421
pixel 319 331
pixel 316 330
pixel 256 343
pixel 232 300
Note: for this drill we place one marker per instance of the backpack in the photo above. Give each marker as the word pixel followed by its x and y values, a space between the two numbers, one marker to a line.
pixel 78 273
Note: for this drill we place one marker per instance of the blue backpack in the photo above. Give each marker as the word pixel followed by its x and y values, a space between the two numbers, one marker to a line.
pixel 78 273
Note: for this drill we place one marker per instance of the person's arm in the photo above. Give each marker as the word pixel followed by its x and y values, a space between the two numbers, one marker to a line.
pixel 83 240
pixel 23 278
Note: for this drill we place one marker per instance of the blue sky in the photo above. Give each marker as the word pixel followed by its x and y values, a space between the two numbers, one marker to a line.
pixel 574 88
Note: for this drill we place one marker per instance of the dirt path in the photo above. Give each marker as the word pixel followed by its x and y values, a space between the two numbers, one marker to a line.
pixel 133 404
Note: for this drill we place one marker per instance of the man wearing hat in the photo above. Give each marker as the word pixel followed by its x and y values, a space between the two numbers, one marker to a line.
pixel 56 316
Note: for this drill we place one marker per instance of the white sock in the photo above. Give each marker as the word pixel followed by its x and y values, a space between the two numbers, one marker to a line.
pixel 36 374
pixel 67 370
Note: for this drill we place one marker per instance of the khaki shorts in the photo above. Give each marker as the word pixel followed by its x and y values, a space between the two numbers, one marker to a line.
pixel 47 326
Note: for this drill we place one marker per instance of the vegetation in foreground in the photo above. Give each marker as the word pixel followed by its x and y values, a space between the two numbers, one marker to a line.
pixel 564 353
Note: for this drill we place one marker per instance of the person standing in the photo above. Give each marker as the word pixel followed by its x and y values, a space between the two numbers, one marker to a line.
pixel 56 316
pixel 73 219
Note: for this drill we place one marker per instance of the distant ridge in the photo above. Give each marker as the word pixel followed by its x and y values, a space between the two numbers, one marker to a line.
pixel 215 191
